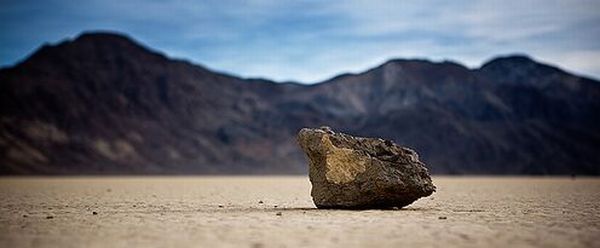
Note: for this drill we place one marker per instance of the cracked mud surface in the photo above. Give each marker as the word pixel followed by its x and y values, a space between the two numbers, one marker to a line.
pixel 278 212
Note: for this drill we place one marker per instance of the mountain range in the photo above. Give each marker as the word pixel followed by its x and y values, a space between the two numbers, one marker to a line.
pixel 103 103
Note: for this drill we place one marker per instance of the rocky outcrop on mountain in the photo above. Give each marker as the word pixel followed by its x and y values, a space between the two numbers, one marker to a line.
pixel 360 173
pixel 104 104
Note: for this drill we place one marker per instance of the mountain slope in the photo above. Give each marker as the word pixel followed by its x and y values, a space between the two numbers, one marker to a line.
pixel 103 103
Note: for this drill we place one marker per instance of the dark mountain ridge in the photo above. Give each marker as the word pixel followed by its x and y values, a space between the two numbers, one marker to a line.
pixel 104 104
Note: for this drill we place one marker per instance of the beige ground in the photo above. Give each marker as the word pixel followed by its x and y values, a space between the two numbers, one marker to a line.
pixel 185 211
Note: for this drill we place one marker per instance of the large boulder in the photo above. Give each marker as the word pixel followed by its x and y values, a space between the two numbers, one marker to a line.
pixel 360 173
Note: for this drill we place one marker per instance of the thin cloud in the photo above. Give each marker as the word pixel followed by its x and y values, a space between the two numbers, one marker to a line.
pixel 309 41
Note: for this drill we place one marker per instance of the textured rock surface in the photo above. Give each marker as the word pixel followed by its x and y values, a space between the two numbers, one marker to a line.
pixel 355 172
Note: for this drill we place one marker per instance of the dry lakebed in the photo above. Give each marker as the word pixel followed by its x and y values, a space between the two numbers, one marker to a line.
pixel 277 211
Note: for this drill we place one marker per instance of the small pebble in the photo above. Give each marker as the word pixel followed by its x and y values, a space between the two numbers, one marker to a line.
pixel 442 217
pixel 49 217
pixel 260 202
pixel 278 214
pixel 24 216
pixel 275 206
pixel 220 206
pixel 95 213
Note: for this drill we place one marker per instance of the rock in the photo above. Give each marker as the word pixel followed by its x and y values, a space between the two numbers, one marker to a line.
pixel 361 173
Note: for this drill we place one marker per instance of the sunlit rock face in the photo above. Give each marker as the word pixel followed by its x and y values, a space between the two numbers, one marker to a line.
pixel 360 173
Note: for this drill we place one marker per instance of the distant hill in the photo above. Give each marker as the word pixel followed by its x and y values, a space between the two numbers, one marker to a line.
pixel 104 104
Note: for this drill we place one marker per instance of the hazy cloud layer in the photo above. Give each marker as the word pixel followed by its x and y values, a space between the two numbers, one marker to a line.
pixel 310 41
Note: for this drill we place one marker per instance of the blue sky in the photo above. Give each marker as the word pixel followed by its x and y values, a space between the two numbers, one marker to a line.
pixel 310 41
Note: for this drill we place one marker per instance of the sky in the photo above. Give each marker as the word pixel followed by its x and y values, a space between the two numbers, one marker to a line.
pixel 311 41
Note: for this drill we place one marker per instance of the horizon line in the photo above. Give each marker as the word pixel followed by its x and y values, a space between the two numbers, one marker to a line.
pixel 341 73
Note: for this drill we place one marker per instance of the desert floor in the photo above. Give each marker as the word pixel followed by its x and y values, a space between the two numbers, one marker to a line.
pixel 278 212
